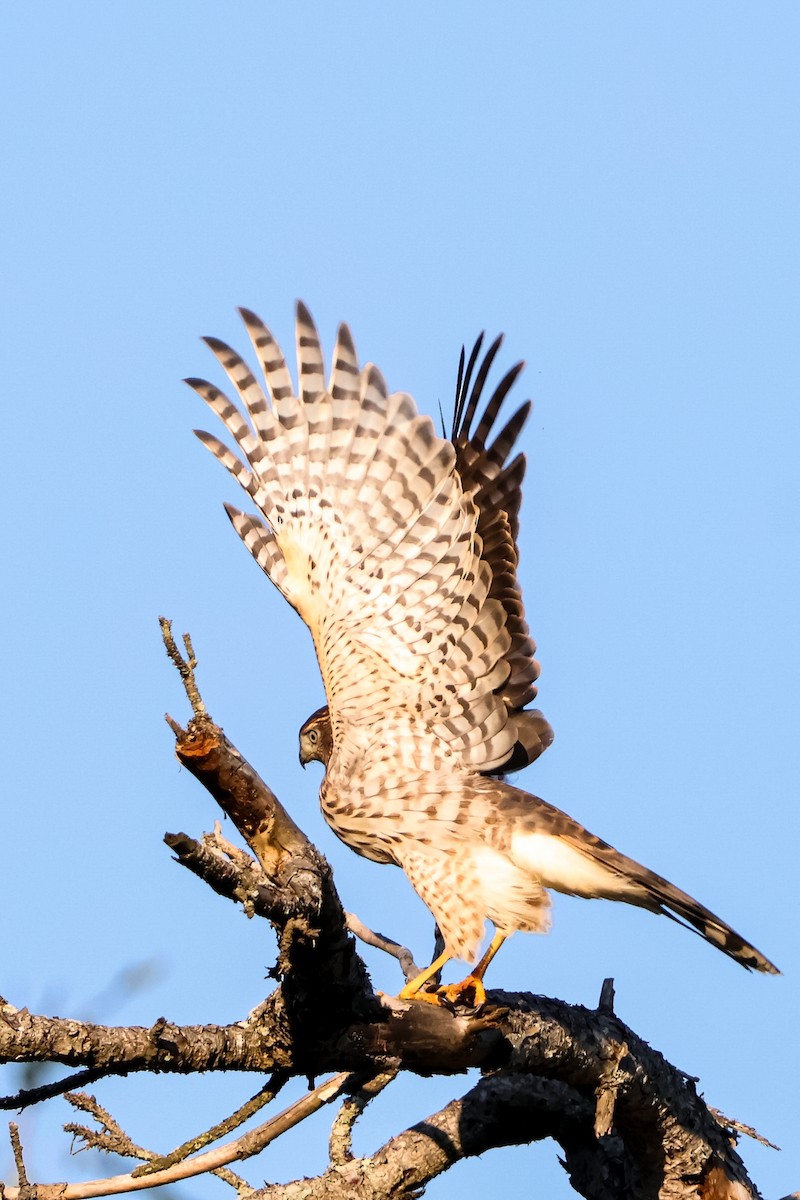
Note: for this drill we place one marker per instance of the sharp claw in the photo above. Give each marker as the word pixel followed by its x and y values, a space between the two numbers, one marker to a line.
pixel 470 993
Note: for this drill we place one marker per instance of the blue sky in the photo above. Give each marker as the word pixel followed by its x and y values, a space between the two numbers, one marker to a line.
pixel 615 187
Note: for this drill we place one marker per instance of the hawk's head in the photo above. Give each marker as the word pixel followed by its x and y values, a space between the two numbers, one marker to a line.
pixel 316 737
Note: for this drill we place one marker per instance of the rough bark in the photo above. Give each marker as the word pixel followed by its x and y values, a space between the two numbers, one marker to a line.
pixel 628 1123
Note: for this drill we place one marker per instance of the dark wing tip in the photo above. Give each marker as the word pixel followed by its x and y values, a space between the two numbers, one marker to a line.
pixel 248 316
pixel 463 381
pixel 303 314
pixel 345 338
pixel 470 406
pixel 376 379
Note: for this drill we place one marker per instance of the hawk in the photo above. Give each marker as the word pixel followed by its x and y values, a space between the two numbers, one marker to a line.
pixel 397 549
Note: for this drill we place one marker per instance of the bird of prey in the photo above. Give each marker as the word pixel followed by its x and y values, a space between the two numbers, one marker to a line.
pixel 397 548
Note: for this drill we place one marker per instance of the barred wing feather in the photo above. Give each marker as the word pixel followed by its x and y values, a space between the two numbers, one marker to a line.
pixel 366 529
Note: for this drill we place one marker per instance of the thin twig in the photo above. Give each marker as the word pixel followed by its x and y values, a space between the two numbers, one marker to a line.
pixel 28 1096
pixel 239 857
pixel 16 1146
pixel 740 1127
pixel 185 666
pixel 370 938
pixel 265 1096
pixel 240 1185
pixel 244 1147
pixel 110 1138
pixel 341 1138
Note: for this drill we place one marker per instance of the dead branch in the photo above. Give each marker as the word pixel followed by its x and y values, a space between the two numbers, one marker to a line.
pixel 340 1141
pixel 28 1096
pixel 247 1110
pixel 261 1045
pixel 654 1107
pixel 19 1161
pixel 498 1111
pixel 628 1122
pixel 740 1127
pixel 112 1139
pixel 185 666
pixel 244 882
pixel 250 1144
pixel 380 942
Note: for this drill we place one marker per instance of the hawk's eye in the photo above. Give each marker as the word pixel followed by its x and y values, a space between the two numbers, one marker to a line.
pixel 313 736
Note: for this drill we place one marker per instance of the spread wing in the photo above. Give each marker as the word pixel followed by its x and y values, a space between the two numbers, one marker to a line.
pixel 496 487
pixel 366 529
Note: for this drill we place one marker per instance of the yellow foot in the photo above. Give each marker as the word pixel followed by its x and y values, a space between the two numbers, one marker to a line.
pixel 470 993
pixel 414 986
pixel 428 997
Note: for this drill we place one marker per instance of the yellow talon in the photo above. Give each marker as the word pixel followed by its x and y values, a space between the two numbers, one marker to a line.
pixel 413 989
pixel 469 993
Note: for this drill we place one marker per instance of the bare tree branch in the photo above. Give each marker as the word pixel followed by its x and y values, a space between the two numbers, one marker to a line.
pixel 262 1045
pixel 263 1097
pixel 185 666
pixel 741 1127
pixel 340 1141
pixel 111 1138
pixel 19 1161
pixel 627 1121
pixel 28 1096
pixel 498 1111
pixel 380 942
pixel 251 1143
